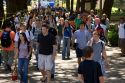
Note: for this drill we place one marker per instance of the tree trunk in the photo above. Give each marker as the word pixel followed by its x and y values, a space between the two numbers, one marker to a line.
pixel 82 5
pixel 78 5
pixel 93 4
pixel 72 2
pixel 68 4
pixel 14 6
pixel 1 12
pixel 108 7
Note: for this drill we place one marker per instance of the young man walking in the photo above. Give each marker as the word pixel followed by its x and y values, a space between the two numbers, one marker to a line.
pixel 47 53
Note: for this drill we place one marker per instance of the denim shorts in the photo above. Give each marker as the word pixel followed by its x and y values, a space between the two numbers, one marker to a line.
pixel 80 52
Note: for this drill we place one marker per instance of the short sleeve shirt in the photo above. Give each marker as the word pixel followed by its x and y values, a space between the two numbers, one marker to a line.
pixel 90 70
pixel 98 48
pixel 46 44
pixel 23 50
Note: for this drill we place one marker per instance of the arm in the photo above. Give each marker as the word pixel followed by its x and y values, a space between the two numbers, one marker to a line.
pixel 73 39
pixel 30 50
pixel 81 78
pixel 104 55
pixel 16 53
pixel 54 51
pixel 63 30
pixel 90 42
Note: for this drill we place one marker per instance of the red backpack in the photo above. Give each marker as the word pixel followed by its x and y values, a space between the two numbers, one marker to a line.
pixel 100 30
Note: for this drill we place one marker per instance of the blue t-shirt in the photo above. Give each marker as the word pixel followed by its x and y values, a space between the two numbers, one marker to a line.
pixel 68 32
pixel 82 37
pixel 98 49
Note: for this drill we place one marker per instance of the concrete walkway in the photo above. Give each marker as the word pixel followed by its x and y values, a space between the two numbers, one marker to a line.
pixel 66 70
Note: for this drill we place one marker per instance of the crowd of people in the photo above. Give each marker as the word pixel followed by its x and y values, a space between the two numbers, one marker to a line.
pixel 40 33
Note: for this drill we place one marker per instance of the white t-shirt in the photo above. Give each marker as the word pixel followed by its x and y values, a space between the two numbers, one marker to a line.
pixel 30 36
pixel 121 30
pixel 26 18
pixel 17 22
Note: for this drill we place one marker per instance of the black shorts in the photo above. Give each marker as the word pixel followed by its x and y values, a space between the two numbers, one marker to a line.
pixel 80 52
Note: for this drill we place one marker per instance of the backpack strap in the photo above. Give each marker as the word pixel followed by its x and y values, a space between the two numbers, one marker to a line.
pixel 88 27
pixel 124 26
pixel 29 33
pixel 102 45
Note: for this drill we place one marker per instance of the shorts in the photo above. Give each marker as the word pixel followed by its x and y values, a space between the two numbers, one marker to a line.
pixel 45 62
pixel 79 52
pixel 122 43
pixel 8 57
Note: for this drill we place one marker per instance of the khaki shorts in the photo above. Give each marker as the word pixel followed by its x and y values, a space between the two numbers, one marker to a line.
pixel 45 62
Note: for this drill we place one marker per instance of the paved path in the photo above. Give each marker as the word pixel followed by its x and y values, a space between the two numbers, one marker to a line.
pixel 66 70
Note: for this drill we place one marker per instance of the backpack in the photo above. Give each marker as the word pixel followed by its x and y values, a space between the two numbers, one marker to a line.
pixel 53 31
pixel 6 39
pixel 100 30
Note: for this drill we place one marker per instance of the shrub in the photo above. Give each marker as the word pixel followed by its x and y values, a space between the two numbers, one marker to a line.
pixel 113 36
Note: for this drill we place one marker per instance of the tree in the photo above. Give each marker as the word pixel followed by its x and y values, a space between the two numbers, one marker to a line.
pixel 1 12
pixel 14 6
pixel 78 5
pixel 93 4
pixel 82 4
pixel 72 2
pixel 108 7
pixel 68 4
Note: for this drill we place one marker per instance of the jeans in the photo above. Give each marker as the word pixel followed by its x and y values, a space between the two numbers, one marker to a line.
pixel 66 48
pixel 59 43
pixel 23 69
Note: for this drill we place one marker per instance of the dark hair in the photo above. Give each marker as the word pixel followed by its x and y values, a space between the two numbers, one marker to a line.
pixel 122 18
pixel 103 21
pixel 45 25
pixel 96 33
pixel 25 39
pixel 83 23
pixel 88 51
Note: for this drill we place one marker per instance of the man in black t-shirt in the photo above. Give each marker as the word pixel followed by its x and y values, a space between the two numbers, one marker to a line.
pixel 89 71
pixel 47 52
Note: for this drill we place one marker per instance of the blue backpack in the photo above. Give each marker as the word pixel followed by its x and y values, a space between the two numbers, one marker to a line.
pixel 6 39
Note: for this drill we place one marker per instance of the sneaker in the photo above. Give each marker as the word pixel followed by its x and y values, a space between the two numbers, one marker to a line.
pixel 69 58
pixel 64 59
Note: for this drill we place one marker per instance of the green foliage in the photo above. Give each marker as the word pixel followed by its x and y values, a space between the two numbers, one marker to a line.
pixel 112 27
pixel 113 36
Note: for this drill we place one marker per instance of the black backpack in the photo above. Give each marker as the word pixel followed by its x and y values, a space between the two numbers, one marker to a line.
pixel 53 31
pixel 6 39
